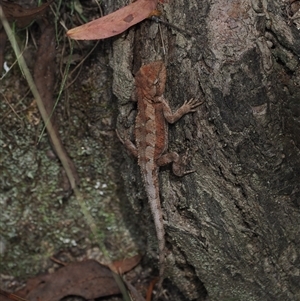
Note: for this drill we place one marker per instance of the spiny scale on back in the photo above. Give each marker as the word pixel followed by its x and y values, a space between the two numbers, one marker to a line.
pixel 151 135
pixel 151 139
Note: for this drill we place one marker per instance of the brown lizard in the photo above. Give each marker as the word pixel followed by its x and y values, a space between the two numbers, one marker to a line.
pixel 151 135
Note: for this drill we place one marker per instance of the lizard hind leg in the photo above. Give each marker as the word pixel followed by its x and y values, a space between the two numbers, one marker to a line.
pixel 178 163
pixel 129 145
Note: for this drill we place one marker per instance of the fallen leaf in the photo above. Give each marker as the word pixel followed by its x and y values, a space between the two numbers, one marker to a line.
pixel 125 265
pixel 150 289
pixel 114 23
pixel 88 279
pixel 22 16
pixel 6 296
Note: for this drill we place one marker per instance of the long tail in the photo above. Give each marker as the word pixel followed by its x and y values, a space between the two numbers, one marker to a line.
pixel 152 189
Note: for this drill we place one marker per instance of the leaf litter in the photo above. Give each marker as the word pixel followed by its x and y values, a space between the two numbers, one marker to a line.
pixel 87 279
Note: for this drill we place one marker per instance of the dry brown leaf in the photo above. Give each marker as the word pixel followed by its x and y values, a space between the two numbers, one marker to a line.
pixel 125 265
pixel 22 16
pixel 88 279
pixel 6 296
pixel 114 23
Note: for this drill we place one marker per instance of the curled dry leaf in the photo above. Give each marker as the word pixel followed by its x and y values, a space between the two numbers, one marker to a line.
pixel 125 265
pixel 114 23
pixel 22 18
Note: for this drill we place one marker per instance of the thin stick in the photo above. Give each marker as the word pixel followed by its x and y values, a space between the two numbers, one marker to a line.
pixel 158 20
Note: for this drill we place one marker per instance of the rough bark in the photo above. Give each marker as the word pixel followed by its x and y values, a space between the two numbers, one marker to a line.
pixel 233 225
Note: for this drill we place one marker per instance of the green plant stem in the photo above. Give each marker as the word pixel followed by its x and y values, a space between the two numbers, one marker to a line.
pixel 38 99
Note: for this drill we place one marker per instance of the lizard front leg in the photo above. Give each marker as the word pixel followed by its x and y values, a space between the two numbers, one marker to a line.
pixel 189 106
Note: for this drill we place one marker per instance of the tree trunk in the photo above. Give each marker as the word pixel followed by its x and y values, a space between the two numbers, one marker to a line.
pixel 232 227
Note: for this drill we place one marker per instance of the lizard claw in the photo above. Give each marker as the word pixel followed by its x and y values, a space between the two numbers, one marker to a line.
pixel 189 171
pixel 118 135
pixel 192 104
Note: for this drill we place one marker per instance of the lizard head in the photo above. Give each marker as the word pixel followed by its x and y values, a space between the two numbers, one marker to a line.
pixel 151 80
